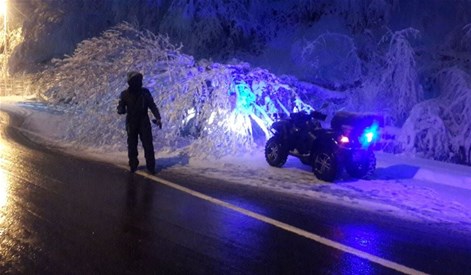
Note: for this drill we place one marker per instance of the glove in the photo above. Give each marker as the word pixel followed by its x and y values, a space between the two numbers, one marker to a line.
pixel 157 122
pixel 121 110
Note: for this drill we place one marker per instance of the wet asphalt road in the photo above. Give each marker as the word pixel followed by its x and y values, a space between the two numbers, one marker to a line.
pixel 64 215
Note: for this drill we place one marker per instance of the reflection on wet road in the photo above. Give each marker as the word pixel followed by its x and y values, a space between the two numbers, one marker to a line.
pixel 3 186
pixel 65 215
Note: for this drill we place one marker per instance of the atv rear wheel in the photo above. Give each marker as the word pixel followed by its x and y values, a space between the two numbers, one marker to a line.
pixel 276 153
pixel 325 165
pixel 360 167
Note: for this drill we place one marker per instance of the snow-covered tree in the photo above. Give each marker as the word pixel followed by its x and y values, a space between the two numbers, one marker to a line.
pixel 330 59
pixel 440 128
pixel 391 86
pixel 217 109
pixel 358 15
pixel 212 26
pixel 400 88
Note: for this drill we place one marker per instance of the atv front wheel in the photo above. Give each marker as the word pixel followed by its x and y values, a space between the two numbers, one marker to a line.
pixel 362 165
pixel 275 153
pixel 325 165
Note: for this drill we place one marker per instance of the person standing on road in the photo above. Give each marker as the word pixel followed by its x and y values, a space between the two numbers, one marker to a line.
pixel 135 102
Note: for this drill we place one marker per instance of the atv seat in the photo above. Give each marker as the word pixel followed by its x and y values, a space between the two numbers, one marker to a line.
pixel 355 120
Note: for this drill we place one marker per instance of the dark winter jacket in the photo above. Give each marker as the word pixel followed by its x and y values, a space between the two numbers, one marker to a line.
pixel 135 101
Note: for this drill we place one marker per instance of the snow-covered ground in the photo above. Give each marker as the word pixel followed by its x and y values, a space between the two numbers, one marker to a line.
pixel 416 189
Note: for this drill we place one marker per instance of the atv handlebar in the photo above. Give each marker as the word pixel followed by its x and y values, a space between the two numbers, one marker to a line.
pixel 302 115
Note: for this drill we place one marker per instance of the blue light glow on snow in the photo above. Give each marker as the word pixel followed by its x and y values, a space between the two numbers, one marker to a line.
pixel 246 111
pixel 245 98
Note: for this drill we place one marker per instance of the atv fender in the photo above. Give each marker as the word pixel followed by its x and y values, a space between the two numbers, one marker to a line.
pixel 325 141
pixel 280 128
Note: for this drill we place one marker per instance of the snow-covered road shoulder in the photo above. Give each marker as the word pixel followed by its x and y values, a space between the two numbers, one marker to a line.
pixel 428 170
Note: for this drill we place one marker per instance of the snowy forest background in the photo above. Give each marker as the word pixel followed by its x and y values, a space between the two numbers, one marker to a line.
pixel 219 70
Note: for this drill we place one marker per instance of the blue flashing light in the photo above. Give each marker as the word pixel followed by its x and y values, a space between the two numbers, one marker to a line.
pixel 370 135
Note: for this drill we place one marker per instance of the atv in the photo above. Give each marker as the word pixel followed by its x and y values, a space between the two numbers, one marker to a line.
pixel 348 144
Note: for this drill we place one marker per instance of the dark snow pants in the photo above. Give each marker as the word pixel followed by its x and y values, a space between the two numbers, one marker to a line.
pixel 143 130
